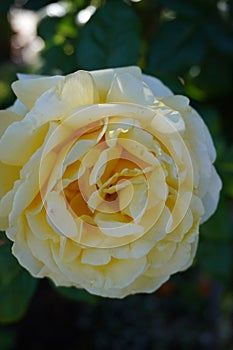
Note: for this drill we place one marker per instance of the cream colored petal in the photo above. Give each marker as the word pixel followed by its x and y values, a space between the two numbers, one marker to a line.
pixel 94 201
pixel 32 180
pixel 101 163
pixel 177 121
pixel 193 246
pixel 177 102
pixel 58 216
pixel 139 202
pixel 7 201
pixel 18 108
pixel 157 186
pixel 85 188
pixel 90 157
pixel 156 86
pixel 146 242
pixel 27 188
pixel 40 227
pixel 125 87
pixel 117 283
pixel 85 144
pixel 161 254
pixel 21 251
pixel 73 91
pixel 27 139
pixel 80 117
pixel 117 127
pixel 211 198
pixel 29 90
pixel 40 249
pixel 49 174
pixel 199 127
pixel 52 105
pixel 141 136
pixel 7 117
pixel 69 250
pixel 111 225
pixel 181 259
pixel 134 203
pixel 96 257
pixel 80 148
pixel 184 226
pixel 9 174
pixel 123 272
pixel 74 272
pixel 103 78
pixel 120 185
pixel 181 156
pixel 142 284
pixel 138 150
pixel 204 153
pixel 126 192
pixel 118 274
pixel 170 259
pixel 25 76
pixel 88 234
pixel 23 197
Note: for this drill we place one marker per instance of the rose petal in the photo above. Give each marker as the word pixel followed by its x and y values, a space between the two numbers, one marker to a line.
pixel 156 86
pixel 127 88
pixel 29 90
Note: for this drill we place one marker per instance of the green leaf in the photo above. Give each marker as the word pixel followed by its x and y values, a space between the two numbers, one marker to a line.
pixel 75 294
pixel 111 38
pixel 16 287
pixel 213 71
pixel 220 34
pixel 178 45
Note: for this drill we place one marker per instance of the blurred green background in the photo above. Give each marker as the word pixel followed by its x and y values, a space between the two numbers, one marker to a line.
pixel 189 45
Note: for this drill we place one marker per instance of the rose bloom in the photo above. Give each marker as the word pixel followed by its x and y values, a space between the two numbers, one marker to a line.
pixel 105 179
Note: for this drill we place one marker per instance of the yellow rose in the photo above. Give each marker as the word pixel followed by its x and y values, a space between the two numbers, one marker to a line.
pixel 105 178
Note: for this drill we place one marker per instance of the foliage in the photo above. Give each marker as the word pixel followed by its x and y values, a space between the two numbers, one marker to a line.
pixel 16 286
pixel 189 45
pixel 111 38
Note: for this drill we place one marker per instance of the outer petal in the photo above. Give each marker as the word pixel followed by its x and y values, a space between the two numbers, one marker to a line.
pixel 128 88
pixel 9 174
pixel 203 152
pixel 211 198
pixel 156 86
pixel 75 90
pixel 103 78
pixel 7 117
pixel 29 90
pixel 18 108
